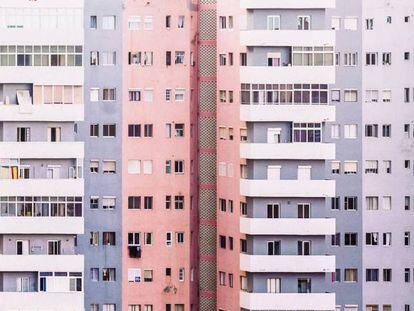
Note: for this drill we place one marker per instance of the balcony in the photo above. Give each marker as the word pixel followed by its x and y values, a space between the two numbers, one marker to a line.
pixel 41 225
pixel 296 264
pixel 287 38
pixel 287 188
pixel 287 74
pixel 16 263
pixel 288 301
pixel 294 113
pixel 42 75
pixel 287 226
pixel 41 150
pixel 42 301
pixel 297 151
pixel 53 113
pixel 41 187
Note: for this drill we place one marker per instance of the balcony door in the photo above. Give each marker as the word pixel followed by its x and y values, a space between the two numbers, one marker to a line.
pixel 274 285
pixel 304 172
pixel 304 248
pixel 53 172
pixel 273 172
pixel 23 284
pixel 304 286
pixel 22 247
pixel 273 135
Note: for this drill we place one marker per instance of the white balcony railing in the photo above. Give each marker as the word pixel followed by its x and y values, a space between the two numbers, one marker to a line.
pixel 53 113
pixel 287 226
pixel 291 4
pixel 297 151
pixel 41 225
pixel 287 188
pixel 284 263
pixel 41 150
pixel 287 301
pixel 16 263
pixel 41 187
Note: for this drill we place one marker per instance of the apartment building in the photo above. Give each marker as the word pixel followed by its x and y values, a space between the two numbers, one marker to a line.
pixel 232 155
pixel 41 164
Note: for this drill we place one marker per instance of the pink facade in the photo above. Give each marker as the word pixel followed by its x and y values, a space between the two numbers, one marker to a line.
pixel 159 148
pixel 228 117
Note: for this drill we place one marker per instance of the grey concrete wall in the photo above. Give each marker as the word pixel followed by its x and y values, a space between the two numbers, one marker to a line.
pixel 257 19
pixel 38 130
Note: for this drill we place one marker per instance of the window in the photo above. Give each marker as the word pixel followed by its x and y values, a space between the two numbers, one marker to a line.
pixel 179 57
pixel 389 19
pixel 108 274
pixel 179 237
pixel 371 96
pixel 372 275
pixel 181 274
pixel 371 130
pixel 335 95
pixel 179 167
pixel 94 58
pixel 93 22
pixel 53 247
pixel 406 95
pixel 108 202
pixel 335 203
pixel 387 166
pixel 223 59
pixel 179 94
pixel 222 278
pixel 147 167
pixel 350 23
pixel 369 24
pixel 134 22
pixel 109 130
pixel 350 131
pixel 350 95
pixel 350 203
pixel 134 202
pixel 94 202
pixel 94 130
pixel 273 22
pixel 108 307
pixel 407 203
pixel 386 96
pixel 350 275
pixel 303 22
pixel 148 275
pixel 335 131
pixel 148 308
pixel 372 203
pixel 386 238
pixel 148 202
pixel 109 94
pixel 168 238
pixel 372 308
pixel 168 21
pixel 134 275
pixel 179 202
pixel 148 23
pixel 148 238
pixel 94 95
pixel 108 22
pixel 222 22
pixel 371 167
pixel 350 167
pixel 407 275
pixel 386 58
pixel 94 307
pixel 371 238
pixel 350 59
pixel 387 275
pixel 222 239
pixel 350 239
pixel 406 55
pixel 181 21
pixel 108 238
pixel 335 167
pixel 23 134
pixel 148 58
pixel 109 167
pixel 179 129
pixel 94 166
pixel 407 238
pixel 336 239
pixel 148 130
pixel 307 132
pixel 371 59
pixel 134 130
pixel 134 58
pixel 108 58
pixel 148 95
pixel 273 248
pixel 273 210
pixel 335 23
